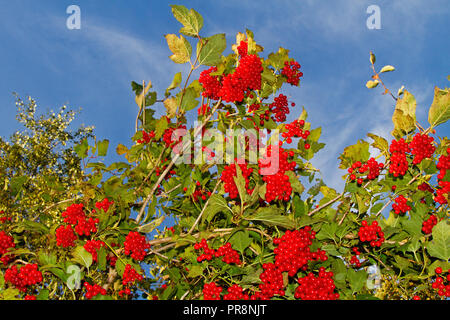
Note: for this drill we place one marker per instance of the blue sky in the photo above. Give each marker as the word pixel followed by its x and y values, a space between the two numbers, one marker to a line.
pixel 122 41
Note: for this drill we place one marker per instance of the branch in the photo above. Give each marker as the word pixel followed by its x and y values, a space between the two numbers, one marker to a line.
pixel 169 167
pixel 325 205
pixel 204 208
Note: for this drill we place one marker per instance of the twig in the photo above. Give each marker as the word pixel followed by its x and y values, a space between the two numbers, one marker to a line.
pixel 169 167
pixel 325 205
pixel 61 202
pixel 204 209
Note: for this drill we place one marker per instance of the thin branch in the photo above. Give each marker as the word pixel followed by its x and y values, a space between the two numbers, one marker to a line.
pixel 204 208
pixel 325 205
pixel 169 167
pixel 61 202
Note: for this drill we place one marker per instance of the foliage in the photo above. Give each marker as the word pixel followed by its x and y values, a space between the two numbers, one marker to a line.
pixel 83 222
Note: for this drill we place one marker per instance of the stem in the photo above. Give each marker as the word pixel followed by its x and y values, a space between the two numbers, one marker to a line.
pixel 169 167
pixel 325 205
pixel 204 209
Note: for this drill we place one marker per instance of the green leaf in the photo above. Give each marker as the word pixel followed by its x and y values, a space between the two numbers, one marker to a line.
pixel 180 47
pixel 272 216
pixel 387 68
pixel 43 295
pixel 440 245
pixel 149 227
pixel 10 294
pixel 372 58
pixel 82 148
pixel 17 184
pixel 440 108
pixel 189 101
pixel 327 231
pixel 278 59
pixel 379 142
pixel 209 50
pixel 161 126
pixel 299 207
pixel 240 240
pixel 171 105
pixel 191 20
pixel 357 280
pixel 195 271
pixel 366 297
pixel 240 184
pixel 353 153
pixel 121 149
pixel 413 226
pixel 295 182
pixel 372 84
pixel 102 148
pixel 81 256
pixel 216 204
pixel 175 83
pixel 101 257
pixel 315 134
pixel 401 262
pixel 404 117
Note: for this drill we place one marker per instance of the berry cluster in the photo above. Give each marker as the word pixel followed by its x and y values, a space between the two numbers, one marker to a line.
pixel 443 290
pixel 398 162
pixel 371 233
pixel 136 245
pixel 278 185
pixel 208 253
pixel 211 291
pixel 425 187
pixel 200 194
pixel 317 288
pixel 29 297
pixel 146 137
pixel 421 147
pixel 170 140
pixel 93 290
pixel 65 237
pixel 246 77
pixel 242 49
pixel 75 216
pixel 160 170
pixel 372 167
pixel 92 246
pixel 262 117
pixel 443 165
pixel 103 205
pixel 442 194
pixel 126 291
pixel 427 225
pixel 400 206
pixel 112 259
pixel 354 259
pixel 272 279
pixel 226 251
pixel 203 110
pixel 295 130
pixel 235 292
pixel 130 275
pixel 293 250
pixel 28 275
pixel 292 73
pixel 228 175
pixel 280 108
pixel 6 242
pixel 5 218
pixel 211 84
